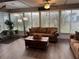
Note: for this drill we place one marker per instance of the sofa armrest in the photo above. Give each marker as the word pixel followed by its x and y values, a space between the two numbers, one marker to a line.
pixel 72 36
pixel 27 32
pixel 56 33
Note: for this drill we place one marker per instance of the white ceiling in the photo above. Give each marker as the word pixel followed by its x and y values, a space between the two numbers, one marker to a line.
pixel 33 3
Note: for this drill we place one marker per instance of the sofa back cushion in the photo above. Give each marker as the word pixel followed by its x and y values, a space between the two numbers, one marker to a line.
pixel 51 30
pixel 37 30
pixel 42 30
pixel 76 35
pixel 34 29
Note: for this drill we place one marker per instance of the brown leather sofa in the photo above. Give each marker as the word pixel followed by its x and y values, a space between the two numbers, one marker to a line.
pixel 74 44
pixel 50 32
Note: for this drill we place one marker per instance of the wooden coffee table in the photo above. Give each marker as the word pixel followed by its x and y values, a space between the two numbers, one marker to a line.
pixel 37 43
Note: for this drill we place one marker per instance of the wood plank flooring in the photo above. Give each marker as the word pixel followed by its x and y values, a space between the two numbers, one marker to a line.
pixel 17 50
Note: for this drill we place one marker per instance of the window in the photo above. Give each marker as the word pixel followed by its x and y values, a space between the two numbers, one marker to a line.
pixel 45 19
pixel 65 21
pixel 75 21
pixel 54 18
pixel 28 23
pixel 14 18
pixel 3 18
pixel 35 19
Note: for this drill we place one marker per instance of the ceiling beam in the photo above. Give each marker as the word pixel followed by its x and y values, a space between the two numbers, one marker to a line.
pixel 5 0
pixel 66 6
pixel 55 7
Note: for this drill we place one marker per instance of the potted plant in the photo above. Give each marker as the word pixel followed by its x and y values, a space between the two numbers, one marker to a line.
pixel 10 26
pixel 16 31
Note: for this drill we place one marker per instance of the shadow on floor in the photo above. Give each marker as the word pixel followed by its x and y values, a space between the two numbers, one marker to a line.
pixel 7 41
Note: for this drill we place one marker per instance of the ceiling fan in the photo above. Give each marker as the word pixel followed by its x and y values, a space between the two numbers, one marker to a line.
pixel 48 3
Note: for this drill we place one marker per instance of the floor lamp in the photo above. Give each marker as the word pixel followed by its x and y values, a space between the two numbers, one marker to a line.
pixel 22 19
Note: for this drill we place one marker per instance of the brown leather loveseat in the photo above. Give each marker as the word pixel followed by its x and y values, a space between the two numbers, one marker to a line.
pixel 50 32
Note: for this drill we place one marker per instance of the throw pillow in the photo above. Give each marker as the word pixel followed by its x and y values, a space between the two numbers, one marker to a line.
pixel 37 36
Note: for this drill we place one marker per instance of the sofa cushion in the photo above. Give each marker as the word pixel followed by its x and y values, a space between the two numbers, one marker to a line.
pixel 76 45
pixel 74 41
pixel 76 48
